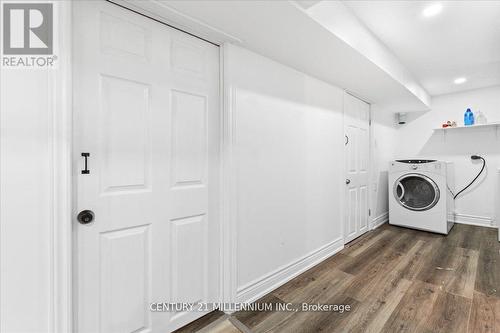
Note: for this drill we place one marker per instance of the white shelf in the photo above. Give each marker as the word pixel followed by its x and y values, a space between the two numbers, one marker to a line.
pixel 492 125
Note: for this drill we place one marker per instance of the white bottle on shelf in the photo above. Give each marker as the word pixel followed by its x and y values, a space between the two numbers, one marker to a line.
pixel 481 118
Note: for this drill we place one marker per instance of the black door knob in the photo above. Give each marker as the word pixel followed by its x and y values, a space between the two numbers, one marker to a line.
pixel 85 216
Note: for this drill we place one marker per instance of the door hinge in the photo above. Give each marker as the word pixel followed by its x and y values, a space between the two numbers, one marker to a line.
pixel 369 212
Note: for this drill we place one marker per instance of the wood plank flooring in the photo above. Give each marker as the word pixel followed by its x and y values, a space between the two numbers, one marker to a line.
pixel 395 280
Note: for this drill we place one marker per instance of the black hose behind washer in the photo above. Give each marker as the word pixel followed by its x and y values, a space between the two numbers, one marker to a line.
pixel 473 157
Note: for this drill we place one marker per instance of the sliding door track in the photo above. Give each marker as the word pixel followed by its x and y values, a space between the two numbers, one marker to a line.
pixel 161 22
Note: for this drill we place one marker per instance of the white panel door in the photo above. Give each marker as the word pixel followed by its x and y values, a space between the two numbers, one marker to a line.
pixel 357 156
pixel 146 102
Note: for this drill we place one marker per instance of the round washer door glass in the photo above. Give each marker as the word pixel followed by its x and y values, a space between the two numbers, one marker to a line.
pixel 416 192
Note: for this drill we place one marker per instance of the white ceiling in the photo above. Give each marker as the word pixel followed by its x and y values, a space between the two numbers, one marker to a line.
pixel 284 32
pixel 462 41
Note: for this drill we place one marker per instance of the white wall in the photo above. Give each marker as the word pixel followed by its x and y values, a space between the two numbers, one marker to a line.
pixel 288 156
pixel 34 197
pixel 25 206
pixel 383 151
pixel 417 138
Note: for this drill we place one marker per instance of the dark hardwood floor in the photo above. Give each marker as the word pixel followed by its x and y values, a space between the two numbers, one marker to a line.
pixel 395 280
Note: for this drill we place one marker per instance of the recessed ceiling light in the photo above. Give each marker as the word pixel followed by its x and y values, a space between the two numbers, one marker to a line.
pixel 432 10
pixel 460 80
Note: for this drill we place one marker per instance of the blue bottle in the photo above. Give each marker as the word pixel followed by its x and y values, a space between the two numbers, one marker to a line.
pixel 468 118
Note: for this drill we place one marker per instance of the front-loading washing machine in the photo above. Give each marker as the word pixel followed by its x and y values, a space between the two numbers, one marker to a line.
pixel 420 195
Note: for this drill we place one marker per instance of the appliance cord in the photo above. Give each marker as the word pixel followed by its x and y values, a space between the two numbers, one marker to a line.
pixel 474 157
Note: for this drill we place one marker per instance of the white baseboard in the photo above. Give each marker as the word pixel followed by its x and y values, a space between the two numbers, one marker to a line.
pixel 379 220
pixel 482 221
pixel 264 285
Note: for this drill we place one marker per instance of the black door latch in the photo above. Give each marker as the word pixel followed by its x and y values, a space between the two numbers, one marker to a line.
pixel 85 171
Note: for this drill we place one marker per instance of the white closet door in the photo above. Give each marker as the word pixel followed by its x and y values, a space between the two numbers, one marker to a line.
pixel 357 156
pixel 146 105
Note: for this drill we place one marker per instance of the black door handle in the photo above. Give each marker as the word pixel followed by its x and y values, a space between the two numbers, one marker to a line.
pixel 85 171
pixel 85 216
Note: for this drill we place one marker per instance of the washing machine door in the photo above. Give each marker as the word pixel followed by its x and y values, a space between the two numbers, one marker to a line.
pixel 416 192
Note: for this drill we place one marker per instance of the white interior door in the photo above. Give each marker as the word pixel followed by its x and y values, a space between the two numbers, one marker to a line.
pixel 357 153
pixel 146 102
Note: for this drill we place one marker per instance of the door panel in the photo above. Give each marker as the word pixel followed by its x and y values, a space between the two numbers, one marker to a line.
pixel 357 154
pixel 124 37
pixel 352 221
pixel 125 131
pixel 364 150
pixel 363 208
pixel 189 139
pixel 146 109
pixel 351 149
pixel 188 266
pixel 125 262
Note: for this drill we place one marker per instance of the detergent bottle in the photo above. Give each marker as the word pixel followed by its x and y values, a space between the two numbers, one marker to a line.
pixel 468 118
pixel 480 118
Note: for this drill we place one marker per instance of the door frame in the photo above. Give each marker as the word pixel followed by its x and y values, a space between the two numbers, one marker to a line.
pixel 63 316
pixel 370 167
pixel 61 85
